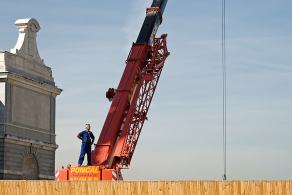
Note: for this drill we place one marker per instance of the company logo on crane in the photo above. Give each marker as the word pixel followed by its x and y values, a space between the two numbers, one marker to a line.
pixel 94 169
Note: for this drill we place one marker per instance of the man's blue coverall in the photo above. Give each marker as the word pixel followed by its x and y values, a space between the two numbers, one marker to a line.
pixel 87 138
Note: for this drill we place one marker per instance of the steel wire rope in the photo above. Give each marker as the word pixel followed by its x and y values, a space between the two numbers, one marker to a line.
pixel 224 87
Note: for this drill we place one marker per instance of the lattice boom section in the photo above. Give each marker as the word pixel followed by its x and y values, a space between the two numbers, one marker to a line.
pixel 150 75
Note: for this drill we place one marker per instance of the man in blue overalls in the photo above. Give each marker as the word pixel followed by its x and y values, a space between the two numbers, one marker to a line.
pixel 87 138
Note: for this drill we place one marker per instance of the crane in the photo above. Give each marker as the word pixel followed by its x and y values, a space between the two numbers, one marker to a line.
pixel 130 104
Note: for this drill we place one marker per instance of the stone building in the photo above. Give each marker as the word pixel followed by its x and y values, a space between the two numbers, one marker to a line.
pixel 27 109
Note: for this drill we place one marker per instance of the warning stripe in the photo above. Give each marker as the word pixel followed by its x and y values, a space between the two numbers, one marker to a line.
pixel 114 176
pixel 57 175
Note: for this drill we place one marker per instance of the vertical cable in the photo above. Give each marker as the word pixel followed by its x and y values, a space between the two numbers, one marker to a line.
pixel 224 88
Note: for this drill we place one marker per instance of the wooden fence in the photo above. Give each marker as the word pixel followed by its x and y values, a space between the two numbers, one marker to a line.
pixel 144 187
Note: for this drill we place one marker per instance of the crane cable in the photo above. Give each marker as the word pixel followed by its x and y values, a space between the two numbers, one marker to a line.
pixel 224 88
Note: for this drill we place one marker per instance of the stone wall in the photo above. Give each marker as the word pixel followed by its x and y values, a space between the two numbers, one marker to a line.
pixel 27 109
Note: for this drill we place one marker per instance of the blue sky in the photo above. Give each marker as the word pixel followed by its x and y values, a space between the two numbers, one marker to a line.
pixel 86 44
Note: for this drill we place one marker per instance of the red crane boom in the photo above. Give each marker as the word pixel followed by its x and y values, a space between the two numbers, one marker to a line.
pixel 130 104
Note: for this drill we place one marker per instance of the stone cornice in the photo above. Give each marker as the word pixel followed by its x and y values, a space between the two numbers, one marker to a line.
pixel 19 173
pixel 28 142
pixel 21 126
pixel 33 83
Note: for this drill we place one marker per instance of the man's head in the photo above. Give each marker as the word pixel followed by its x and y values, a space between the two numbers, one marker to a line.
pixel 87 127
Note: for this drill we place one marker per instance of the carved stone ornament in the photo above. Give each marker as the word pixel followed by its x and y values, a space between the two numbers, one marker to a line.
pixel 26 45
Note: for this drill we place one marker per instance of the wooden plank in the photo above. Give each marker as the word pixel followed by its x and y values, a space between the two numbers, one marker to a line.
pixel 144 187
